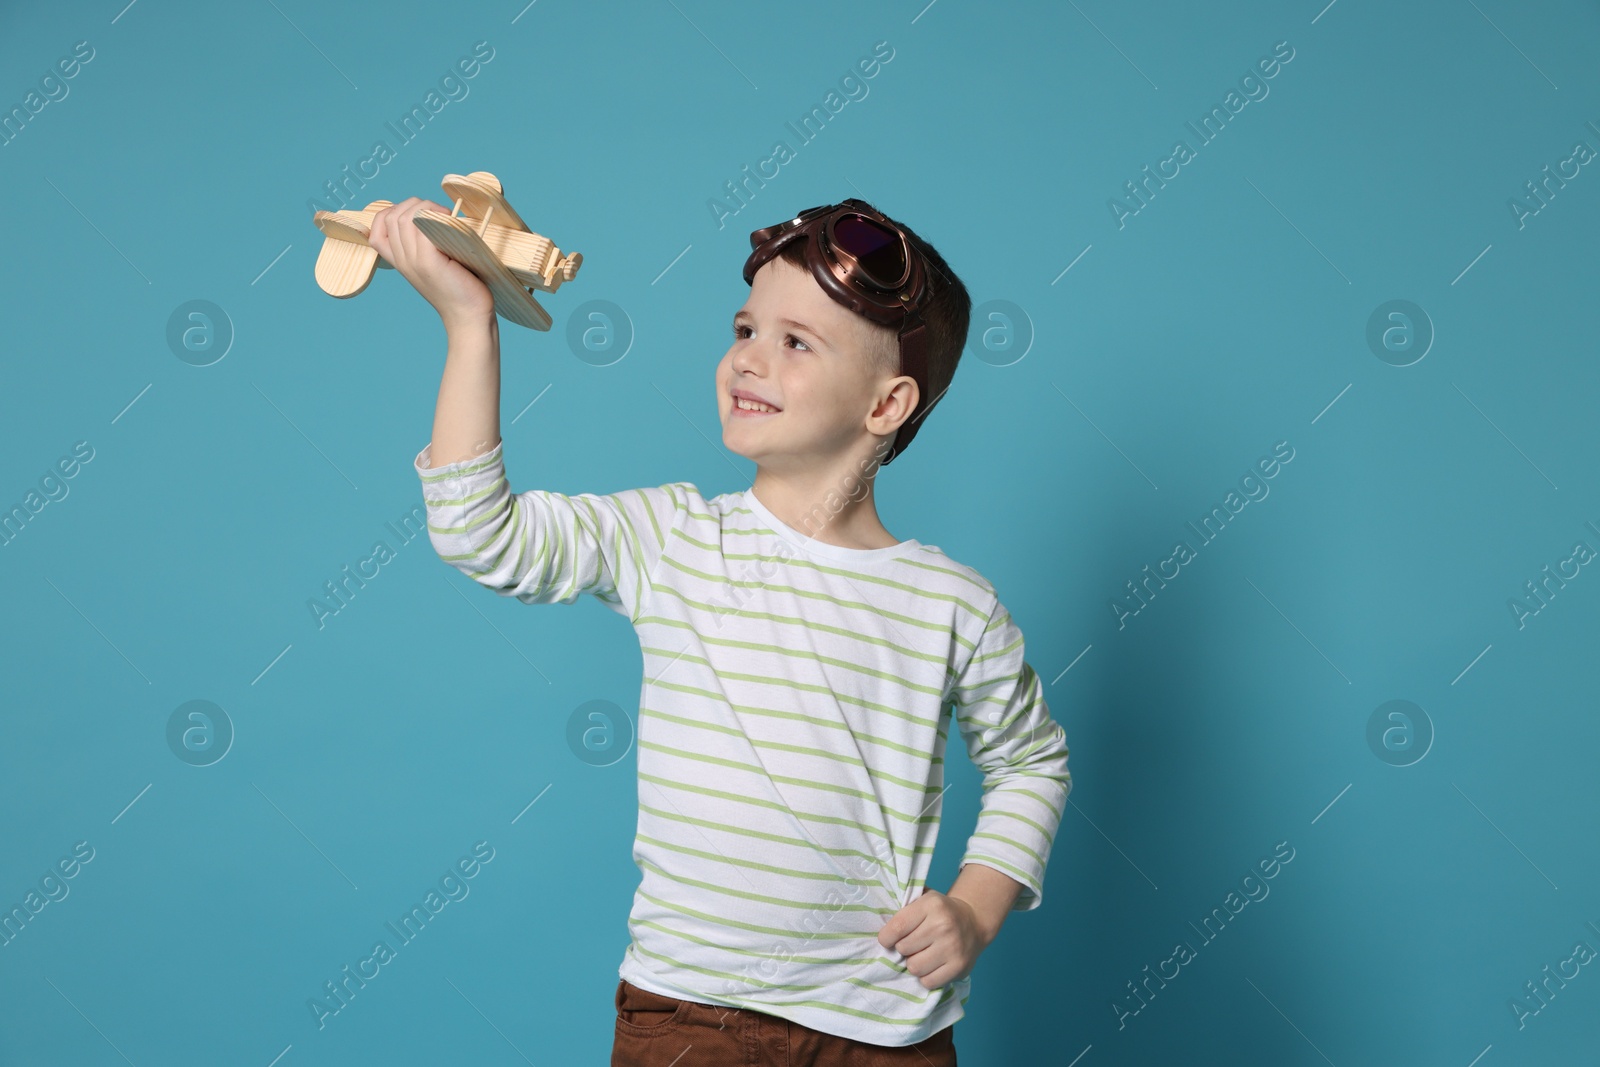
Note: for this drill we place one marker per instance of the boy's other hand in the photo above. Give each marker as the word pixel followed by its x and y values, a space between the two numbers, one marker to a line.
pixel 457 294
pixel 940 937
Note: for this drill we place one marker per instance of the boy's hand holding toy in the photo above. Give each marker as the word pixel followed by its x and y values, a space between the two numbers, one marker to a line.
pixel 457 294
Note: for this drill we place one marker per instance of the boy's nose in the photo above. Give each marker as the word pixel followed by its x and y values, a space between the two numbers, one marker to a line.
pixel 749 361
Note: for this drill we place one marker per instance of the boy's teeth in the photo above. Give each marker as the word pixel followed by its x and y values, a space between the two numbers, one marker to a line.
pixel 751 405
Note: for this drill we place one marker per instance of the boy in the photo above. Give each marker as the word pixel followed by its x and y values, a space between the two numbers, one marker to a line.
pixel 792 721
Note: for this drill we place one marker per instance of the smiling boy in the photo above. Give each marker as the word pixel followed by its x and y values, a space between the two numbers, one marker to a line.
pixel 802 665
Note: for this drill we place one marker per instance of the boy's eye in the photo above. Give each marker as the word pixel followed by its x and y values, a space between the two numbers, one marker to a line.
pixel 738 334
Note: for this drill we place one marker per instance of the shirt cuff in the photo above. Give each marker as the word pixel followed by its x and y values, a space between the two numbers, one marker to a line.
pixel 425 457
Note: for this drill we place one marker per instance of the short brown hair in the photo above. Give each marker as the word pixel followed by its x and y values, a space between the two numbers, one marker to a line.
pixel 947 315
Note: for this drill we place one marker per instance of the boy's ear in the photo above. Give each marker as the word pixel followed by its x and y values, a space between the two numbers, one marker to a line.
pixel 896 406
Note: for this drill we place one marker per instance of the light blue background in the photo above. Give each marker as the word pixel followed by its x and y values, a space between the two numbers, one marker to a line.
pixel 1229 314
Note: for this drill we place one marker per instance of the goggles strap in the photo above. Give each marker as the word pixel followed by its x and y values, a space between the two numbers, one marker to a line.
pixel 913 362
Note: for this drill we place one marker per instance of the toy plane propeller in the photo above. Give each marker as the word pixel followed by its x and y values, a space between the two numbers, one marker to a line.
pixel 482 232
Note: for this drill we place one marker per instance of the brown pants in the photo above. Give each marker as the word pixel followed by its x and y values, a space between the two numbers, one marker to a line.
pixel 658 1031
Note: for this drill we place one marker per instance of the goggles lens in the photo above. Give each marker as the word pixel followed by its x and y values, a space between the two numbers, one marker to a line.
pixel 879 252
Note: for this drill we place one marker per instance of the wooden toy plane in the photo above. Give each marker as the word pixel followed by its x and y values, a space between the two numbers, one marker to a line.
pixel 482 232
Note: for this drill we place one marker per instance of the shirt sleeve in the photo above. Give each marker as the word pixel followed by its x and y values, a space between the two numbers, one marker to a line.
pixel 545 547
pixel 1010 736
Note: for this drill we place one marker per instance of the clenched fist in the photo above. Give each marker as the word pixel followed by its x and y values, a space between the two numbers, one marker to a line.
pixel 939 936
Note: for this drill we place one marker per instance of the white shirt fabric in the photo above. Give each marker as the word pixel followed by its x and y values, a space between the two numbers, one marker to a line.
pixel 793 717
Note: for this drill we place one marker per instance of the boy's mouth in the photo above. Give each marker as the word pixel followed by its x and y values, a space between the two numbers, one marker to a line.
pixel 741 405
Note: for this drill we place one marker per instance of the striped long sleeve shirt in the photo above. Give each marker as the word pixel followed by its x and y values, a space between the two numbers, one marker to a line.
pixel 796 703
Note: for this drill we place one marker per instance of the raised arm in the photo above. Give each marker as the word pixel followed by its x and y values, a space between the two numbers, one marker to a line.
pixel 544 547
pixel 539 546
pixel 466 419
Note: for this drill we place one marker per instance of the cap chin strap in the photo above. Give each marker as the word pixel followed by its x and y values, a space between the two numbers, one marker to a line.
pixel 913 362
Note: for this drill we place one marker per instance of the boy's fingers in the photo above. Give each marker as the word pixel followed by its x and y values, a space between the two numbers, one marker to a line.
pixel 416 204
pixel 414 237
pixel 378 237
pixel 388 221
pixel 410 236
pixel 396 227
pixel 383 230
pixel 394 235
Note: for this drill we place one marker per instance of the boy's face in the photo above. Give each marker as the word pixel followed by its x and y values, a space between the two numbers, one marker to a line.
pixel 818 362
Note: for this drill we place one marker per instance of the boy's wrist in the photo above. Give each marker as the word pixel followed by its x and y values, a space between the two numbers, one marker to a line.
pixel 989 893
pixel 470 324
